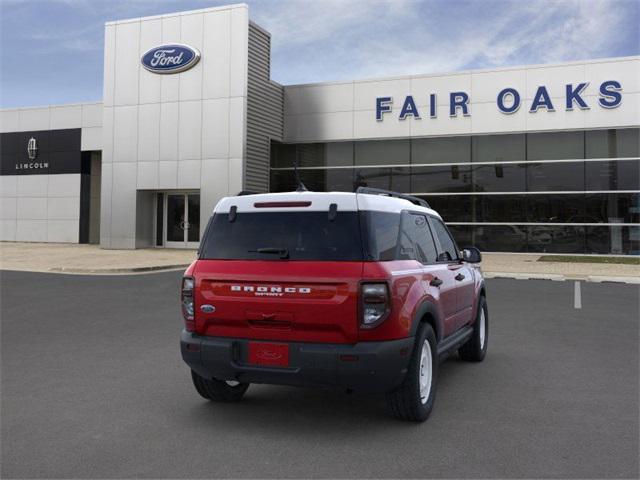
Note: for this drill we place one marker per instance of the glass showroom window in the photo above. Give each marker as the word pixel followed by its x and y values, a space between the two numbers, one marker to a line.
pixel 453 208
pixel 440 150
pixel 499 178
pixel 382 152
pixel 560 176
pixel 612 143
pixel 499 148
pixel 443 178
pixel 555 145
pixel 613 175
pixel 394 178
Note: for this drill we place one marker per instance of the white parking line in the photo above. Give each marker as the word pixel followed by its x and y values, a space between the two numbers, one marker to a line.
pixel 577 296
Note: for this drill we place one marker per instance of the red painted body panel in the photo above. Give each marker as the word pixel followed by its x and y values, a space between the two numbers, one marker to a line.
pixel 279 300
pixel 318 302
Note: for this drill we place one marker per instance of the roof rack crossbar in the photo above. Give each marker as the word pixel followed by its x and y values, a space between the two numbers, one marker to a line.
pixel 389 193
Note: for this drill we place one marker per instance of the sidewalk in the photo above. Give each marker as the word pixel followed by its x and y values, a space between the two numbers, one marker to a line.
pixel 91 259
pixel 527 266
pixel 73 258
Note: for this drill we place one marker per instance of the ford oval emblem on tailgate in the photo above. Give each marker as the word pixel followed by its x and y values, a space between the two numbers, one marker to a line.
pixel 207 308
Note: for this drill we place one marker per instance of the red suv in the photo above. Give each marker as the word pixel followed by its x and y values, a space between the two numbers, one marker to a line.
pixel 365 291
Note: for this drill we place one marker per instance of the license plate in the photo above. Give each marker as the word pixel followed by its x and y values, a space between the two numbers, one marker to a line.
pixel 269 354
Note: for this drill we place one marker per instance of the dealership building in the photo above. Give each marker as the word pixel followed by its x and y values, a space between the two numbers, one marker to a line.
pixel 541 158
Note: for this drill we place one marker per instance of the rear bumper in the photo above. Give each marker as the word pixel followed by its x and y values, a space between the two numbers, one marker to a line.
pixel 379 367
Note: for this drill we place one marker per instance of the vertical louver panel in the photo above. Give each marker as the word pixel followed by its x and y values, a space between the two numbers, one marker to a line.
pixel 265 104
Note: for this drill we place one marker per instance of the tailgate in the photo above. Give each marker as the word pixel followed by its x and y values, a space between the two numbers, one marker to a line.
pixel 302 301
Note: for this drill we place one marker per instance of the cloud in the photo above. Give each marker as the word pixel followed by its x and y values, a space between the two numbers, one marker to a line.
pixel 326 40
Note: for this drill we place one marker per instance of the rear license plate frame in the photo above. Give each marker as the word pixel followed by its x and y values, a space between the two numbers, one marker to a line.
pixel 268 354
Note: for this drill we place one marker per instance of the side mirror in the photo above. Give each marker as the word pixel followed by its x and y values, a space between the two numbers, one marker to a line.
pixel 471 255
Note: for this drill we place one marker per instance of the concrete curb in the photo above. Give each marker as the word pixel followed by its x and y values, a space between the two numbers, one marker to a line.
pixel 153 268
pixel 561 278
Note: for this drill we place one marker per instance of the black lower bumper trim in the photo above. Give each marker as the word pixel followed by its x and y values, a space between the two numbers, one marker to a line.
pixel 368 366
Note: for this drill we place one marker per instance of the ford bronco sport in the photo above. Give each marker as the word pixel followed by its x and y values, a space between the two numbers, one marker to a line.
pixel 364 291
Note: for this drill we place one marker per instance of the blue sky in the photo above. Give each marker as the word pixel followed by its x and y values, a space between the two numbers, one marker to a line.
pixel 51 51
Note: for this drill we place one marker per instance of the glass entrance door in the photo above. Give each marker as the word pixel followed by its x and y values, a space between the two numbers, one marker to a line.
pixel 182 220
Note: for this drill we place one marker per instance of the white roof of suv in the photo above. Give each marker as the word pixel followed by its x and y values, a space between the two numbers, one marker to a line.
pixel 318 201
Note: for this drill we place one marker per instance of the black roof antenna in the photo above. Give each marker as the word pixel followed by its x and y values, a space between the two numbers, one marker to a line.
pixel 300 186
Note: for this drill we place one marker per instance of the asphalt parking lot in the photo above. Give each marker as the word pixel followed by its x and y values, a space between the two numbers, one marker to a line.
pixel 93 386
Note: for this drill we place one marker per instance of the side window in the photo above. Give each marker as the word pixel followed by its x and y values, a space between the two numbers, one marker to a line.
pixel 448 250
pixel 416 242
pixel 382 234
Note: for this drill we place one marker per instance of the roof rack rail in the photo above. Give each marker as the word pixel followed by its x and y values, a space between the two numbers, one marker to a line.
pixel 389 193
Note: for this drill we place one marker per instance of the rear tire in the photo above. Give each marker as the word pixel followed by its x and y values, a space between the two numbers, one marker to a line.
pixel 413 399
pixel 475 348
pixel 218 390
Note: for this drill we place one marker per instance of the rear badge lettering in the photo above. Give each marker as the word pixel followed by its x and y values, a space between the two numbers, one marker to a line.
pixel 269 291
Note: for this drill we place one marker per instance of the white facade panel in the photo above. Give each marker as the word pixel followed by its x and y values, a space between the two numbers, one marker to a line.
pixel 32 208
pixel 149 132
pixel 8 185
pixel 215 128
pixel 238 61
pixel 91 115
pixel 62 231
pixel 217 63
pixel 170 84
pixel 191 34
pixel 107 135
pixel 147 176
pixel 9 120
pixel 108 79
pixel 63 185
pixel 236 169
pixel 63 208
pixel 32 185
pixel 422 86
pixel 237 126
pixel 485 86
pixel 482 88
pixel 8 208
pixel 365 93
pixel 554 78
pixel 125 134
pixel 8 230
pixel 65 116
pixel 91 138
pixel 189 174
pixel 168 175
pixel 627 114
pixel 486 118
pixel 169 131
pixel 123 198
pixel 626 72
pixel 34 119
pixel 335 97
pixel 190 130
pixel 31 230
pixel 149 83
pixel 126 63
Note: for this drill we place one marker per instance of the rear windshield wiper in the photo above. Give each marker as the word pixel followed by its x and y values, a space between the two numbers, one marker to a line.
pixel 283 252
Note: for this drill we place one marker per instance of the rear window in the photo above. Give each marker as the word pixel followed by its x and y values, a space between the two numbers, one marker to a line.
pixel 267 235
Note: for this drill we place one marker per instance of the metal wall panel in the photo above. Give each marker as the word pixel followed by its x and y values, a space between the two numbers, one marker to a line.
pixel 265 111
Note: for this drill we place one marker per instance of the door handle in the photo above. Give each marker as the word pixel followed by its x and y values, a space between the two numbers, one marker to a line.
pixel 436 282
pixel 459 277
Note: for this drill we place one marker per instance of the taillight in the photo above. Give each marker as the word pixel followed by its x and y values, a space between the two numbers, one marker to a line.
pixel 375 304
pixel 188 307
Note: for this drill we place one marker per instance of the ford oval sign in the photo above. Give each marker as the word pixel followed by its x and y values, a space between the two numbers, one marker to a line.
pixel 172 58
